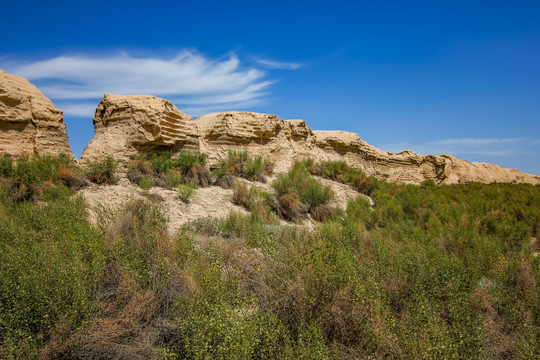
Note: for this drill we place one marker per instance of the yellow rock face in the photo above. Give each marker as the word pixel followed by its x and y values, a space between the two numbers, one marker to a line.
pixel 29 122
pixel 127 125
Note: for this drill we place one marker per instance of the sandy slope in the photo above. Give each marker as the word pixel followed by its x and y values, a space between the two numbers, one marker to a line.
pixel 212 201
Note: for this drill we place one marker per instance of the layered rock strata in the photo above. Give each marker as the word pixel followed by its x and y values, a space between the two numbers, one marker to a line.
pixel 128 125
pixel 283 141
pixel 29 122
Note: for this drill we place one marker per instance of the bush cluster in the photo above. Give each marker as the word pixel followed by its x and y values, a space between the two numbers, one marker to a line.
pixel 241 164
pixel 162 170
pixel 341 172
pixel 429 272
pixel 258 202
pixel 40 177
pixel 298 193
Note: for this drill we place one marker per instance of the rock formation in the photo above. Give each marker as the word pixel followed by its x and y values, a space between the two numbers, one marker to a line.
pixel 128 125
pixel 283 141
pixel 261 134
pixel 29 122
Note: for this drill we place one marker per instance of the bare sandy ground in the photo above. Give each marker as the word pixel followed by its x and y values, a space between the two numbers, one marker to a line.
pixel 212 201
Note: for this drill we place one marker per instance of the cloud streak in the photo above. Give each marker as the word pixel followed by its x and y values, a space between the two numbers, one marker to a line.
pixel 188 79
pixel 279 64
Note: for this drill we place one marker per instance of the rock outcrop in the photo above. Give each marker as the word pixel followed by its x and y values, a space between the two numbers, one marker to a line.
pixel 128 125
pixel 284 141
pixel 29 122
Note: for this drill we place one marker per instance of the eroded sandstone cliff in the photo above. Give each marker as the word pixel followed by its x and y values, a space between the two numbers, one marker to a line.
pixel 128 125
pixel 283 141
pixel 29 122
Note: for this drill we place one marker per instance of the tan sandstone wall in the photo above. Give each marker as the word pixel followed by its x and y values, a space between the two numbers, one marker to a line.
pixel 29 122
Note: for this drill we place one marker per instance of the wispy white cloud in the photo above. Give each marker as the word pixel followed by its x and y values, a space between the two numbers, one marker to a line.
pixel 189 79
pixel 272 64
pixel 467 146
pixel 82 109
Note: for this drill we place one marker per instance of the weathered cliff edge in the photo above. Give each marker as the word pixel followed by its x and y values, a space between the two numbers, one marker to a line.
pixel 128 125
pixel 29 122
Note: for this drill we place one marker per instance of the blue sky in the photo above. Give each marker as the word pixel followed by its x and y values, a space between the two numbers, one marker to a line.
pixel 435 76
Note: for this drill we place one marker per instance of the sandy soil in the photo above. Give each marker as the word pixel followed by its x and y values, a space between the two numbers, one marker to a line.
pixel 212 201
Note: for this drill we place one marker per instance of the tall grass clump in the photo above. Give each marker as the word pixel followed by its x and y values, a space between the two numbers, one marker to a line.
pixel 241 164
pixel 167 171
pixel 341 172
pixel 102 171
pixel 298 193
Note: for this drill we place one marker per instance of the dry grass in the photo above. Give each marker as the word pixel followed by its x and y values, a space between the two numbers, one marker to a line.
pixel 124 327
pixel 322 212
pixel 291 208
pixel 67 176
pixel 241 195
pixel 226 181
pixel 198 175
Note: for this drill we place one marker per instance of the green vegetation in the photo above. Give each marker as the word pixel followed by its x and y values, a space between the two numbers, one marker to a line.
pixel 241 164
pixel 102 171
pixel 186 191
pixel 146 183
pixel 170 172
pixel 32 177
pixel 255 200
pixel 430 272
pixel 341 172
pixel 298 192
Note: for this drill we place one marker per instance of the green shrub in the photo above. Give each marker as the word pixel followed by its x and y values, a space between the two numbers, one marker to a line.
pixel 173 178
pixel 186 191
pixel 56 192
pixel 139 168
pixel 187 160
pixel 102 171
pixel 161 163
pixel 298 187
pixel 146 183
pixel 241 164
pixel 6 166
pixel 38 169
pixel 51 260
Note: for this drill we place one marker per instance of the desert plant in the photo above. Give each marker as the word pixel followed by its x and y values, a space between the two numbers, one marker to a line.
pixel 241 164
pixel 173 178
pixel 161 163
pixel 187 160
pixel 71 177
pixel 186 191
pixel 146 183
pixel 241 195
pixel 297 192
pixel 6 166
pixel 139 168
pixel 102 171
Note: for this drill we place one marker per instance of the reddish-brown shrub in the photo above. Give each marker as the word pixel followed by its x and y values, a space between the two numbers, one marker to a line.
pixel 291 208
pixel 241 195
pixel 322 212
pixel 67 176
